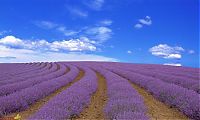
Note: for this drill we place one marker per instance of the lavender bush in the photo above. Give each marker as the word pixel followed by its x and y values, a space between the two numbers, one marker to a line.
pixel 177 80
pixel 123 101
pixel 25 75
pixel 71 101
pixel 48 75
pixel 185 100
pixel 9 70
pixel 22 99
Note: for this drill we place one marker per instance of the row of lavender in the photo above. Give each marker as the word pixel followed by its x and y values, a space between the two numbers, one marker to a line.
pixel 9 70
pixel 172 70
pixel 124 102
pixel 22 99
pixel 185 100
pixel 182 81
pixel 186 72
pixel 15 70
pixel 120 104
pixel 27 75
pixel 70 102
pixel 22 84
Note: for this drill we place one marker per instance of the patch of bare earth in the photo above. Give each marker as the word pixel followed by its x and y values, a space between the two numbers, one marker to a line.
pixel 158 110
pixel 36 106
pixel 95 110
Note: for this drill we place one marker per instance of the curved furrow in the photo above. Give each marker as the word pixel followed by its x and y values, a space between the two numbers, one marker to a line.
pixel 44 66
pixel 36 106
pixel 9 69
pixel 70 102
pixel 177 80
pixel 180 81
pixel 30 76
pixel 187 101
pixel 97 103
pixel 185 74
pixel 156 109
pixel 167 70
pixel 190 73
pixel 123 101
pixel 35 72
pixel 15 71
pixel 11 88
pixel 21 100
pixel 21 73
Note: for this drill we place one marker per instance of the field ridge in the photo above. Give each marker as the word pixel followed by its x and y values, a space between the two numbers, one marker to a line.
pixel 36 106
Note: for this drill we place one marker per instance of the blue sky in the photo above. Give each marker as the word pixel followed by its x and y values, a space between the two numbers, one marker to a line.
pixel 136 31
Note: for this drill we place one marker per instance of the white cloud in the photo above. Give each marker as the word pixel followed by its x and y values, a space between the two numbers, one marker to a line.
pixel 11 40
pixel 23 55
pixel 101 34
pixel 42 50
pixel 143 22
pixel 138 25
pixel 191 52
pixel 146 21
pixel 95 4
pixel 106 22
pixel 173 56
pixel 129 52
pixel 167 52
pixel 81 44
pixel 72 45
pixel 172 64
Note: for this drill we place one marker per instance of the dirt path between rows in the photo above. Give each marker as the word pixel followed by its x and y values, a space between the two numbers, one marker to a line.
pixel 36 106
pixel 158 110
pixel 95 110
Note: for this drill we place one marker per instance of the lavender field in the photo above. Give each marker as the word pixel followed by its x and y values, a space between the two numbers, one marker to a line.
pixel 98 90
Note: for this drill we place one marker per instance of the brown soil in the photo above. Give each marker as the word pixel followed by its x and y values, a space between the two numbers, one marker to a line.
pixel 95 110
pixel 36 106
pixel 158 110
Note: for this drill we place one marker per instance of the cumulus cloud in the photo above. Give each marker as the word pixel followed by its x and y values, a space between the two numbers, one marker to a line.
pixel 72 45
pixel 23 55
pixel 42 50
pixel 11 40
pixel 143 22
pixel 138 25
pixel 146 21
pixel 81 44
pixel 172 64
pixel 166 51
